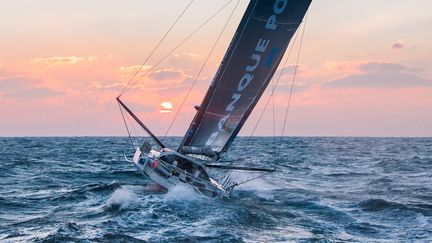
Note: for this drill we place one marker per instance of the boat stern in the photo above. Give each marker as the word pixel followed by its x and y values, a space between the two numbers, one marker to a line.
pixel 140 159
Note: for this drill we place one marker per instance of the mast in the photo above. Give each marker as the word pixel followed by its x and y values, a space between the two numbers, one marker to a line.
pixel 140 123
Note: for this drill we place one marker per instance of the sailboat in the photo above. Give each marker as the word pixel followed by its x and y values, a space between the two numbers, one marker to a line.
pixel 252 58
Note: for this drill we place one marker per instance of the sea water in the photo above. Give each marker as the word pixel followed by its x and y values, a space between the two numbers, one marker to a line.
pixel 80 189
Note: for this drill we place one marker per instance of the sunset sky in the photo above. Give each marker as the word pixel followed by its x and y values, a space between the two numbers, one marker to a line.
pixel 365 67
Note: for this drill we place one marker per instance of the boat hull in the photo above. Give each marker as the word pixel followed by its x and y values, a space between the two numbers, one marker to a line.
pixel 169 176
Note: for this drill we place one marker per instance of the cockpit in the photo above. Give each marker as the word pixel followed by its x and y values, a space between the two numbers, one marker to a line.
pixel 184 163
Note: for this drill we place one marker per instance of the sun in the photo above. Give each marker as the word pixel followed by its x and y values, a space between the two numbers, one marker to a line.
pixel 166 107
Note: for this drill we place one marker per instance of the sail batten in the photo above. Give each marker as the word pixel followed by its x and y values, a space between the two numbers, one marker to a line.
pixel 245 71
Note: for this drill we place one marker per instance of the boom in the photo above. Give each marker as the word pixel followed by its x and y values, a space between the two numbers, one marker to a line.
pixel 140 123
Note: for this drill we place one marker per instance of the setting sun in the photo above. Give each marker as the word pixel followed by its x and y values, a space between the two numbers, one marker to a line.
pixel 166 107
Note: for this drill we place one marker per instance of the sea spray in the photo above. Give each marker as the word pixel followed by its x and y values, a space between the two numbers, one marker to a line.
pixel 267 195
pixel 121 198
pixel 182 193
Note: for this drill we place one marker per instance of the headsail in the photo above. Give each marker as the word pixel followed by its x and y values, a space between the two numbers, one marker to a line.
pixel 248 66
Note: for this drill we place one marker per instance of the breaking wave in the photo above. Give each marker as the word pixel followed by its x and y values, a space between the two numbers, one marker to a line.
pixel 121 198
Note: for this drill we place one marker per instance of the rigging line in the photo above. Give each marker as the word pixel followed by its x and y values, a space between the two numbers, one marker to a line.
pixel 202 68
pixel 268 99
pixel 155 48
pixel 246 181
pixel 176 47
pixel 154 127
pixel 132 124
pixel 292 87
pixel 127 128
pixel 274 122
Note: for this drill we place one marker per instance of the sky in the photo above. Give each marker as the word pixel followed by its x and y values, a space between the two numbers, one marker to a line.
pixel 365 67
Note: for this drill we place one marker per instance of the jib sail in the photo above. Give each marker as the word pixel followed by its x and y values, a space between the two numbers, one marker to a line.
pixel 246 69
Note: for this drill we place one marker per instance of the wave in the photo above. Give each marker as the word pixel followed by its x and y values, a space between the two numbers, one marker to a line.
pixel 117 237
pixel 376 205
pixel 83 192
pixel 348 174
pixel 101 187
pixel 121 199
pixel 57 237
pixel 10 204
pixel 373 205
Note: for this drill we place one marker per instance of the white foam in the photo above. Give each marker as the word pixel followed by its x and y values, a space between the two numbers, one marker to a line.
pixel 267 195
pixel 121 198
pixel 181 193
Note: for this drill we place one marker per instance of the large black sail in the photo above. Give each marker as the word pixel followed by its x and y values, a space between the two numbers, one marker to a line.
pixel 248 66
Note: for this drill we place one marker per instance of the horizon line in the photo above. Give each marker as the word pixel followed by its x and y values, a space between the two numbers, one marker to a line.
pixel 178 136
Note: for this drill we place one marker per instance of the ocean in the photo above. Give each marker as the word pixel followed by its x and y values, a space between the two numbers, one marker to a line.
pixel 327 189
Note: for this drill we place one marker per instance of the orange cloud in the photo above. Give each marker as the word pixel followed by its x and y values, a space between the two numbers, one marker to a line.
pixel 129 71
pixel 56 60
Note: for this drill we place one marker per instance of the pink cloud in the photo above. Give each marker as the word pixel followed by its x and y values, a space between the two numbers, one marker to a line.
pixel 25 88
pixel 168 74
pixel 376 74
pixel 397 45
pixel 378 66
pixel 380 80
pixel 18 82
pixel 33 93
pixel 355 67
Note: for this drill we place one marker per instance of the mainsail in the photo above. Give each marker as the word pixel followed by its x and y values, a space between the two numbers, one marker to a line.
pixel 246 69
